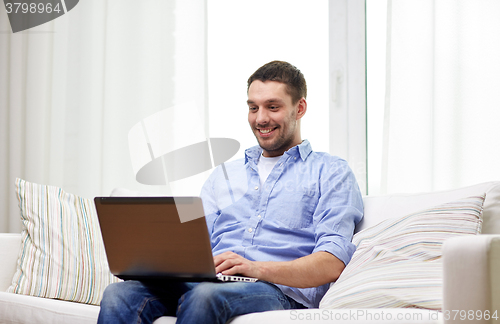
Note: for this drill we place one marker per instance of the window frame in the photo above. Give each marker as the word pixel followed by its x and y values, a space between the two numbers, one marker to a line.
pixel 347 104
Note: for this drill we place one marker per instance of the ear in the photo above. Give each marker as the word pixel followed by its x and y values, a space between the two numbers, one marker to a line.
pixel 301 108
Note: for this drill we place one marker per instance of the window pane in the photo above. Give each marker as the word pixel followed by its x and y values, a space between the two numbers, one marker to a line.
pixel 244 35
pixel 431 121
pixel 376 17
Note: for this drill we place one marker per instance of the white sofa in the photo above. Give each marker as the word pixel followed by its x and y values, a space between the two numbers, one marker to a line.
pixel 471 274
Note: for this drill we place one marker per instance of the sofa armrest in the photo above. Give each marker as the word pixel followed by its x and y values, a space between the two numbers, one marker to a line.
pixel 9 250
pixel 471 278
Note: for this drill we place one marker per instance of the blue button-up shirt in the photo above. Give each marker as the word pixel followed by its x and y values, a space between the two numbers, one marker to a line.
pixel 310 202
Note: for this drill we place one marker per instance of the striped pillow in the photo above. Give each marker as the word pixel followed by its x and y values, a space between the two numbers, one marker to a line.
pixel 398 262
pixel 62 254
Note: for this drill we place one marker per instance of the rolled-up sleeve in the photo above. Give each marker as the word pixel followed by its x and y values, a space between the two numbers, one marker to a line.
pixel 339 209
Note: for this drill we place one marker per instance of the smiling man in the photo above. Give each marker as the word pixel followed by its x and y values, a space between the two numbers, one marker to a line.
pixel 290 226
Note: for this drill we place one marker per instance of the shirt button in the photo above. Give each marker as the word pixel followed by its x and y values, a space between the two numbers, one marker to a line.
pixel 259 216
pixel 256 187
pixel 250 230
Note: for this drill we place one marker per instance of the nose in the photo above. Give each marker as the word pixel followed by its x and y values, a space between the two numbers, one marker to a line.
pixel 262 117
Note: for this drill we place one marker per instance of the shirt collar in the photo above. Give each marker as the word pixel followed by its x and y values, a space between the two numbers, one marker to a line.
pixel 302 150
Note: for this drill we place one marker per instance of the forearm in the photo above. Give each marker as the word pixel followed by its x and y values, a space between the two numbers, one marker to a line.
pixel 310 271
pixel 313 270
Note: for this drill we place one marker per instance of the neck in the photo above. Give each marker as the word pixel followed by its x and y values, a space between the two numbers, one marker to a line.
pixel 280 151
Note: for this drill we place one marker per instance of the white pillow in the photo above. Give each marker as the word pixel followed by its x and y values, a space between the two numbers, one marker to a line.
pixel 398 262
pixel 379 208
pixel 62 254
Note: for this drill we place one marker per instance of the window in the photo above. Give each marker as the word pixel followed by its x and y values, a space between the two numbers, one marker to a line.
pixel 244 35
pixel 433 104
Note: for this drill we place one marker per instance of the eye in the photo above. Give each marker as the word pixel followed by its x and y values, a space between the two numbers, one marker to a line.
pixel 273 107
pixel 252 108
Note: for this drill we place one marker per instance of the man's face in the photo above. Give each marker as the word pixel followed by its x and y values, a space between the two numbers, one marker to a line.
pixel 273 118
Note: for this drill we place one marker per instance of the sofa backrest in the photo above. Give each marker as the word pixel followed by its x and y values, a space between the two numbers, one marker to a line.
pixel 9 251
pixel 379 208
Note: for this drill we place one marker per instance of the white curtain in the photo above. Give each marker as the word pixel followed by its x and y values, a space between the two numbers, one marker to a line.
pixel 442 103
pixel 71 89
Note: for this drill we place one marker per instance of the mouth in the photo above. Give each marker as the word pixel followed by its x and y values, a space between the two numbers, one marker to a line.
pixel 265 132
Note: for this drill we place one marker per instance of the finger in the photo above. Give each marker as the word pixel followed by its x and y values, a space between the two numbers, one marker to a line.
pixel 230 267
pixel 219 259
pixel 236 270
pixel 227 264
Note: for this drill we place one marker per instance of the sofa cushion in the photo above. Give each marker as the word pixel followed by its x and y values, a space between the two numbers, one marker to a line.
pixel 339 316
pixel 398 262
pixel 15 308
pixel 379 208
pixel 62 254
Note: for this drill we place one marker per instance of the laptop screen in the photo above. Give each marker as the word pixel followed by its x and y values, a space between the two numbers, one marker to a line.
pixel 144 237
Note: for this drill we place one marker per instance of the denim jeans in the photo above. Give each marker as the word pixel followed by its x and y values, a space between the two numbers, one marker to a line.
pixel 207 302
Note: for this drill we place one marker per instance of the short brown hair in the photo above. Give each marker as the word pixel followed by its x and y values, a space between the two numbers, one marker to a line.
pixel 282 72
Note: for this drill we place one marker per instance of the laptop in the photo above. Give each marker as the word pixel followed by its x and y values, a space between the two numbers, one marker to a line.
pixel 145 239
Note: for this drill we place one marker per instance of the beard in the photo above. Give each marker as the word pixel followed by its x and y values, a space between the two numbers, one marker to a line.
pixel 280 143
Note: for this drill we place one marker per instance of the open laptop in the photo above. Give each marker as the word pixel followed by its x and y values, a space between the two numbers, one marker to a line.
pixel 144 239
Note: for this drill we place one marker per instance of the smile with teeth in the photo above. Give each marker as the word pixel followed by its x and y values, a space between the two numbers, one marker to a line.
pixel 266 130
